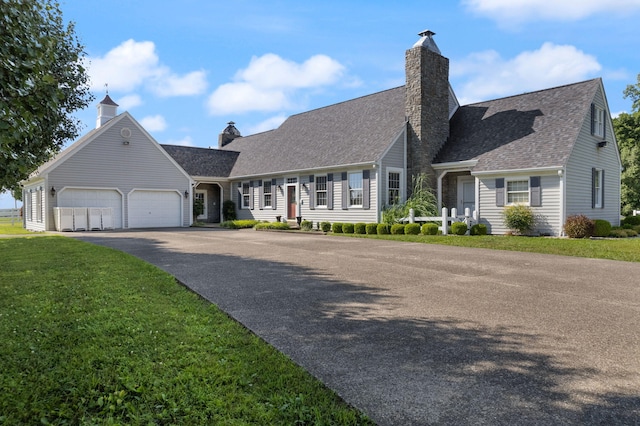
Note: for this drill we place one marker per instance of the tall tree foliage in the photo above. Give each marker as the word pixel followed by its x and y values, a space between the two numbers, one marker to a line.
pixel 627 129
pixel 42 82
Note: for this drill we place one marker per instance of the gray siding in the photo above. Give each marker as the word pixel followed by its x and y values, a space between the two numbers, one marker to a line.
pixel 105 162
pixel 393 158
pixel 586 156
pixel 548 214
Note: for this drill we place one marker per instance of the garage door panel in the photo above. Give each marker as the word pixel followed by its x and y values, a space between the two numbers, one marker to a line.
pixel 155 209
pixel 76 197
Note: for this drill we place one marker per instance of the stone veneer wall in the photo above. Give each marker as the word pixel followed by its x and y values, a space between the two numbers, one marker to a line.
pixel 426 108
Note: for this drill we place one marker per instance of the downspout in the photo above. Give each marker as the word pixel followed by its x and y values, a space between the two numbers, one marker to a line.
pixel 563 201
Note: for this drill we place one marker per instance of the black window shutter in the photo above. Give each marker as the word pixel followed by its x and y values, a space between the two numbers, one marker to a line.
pixel 330 191
pixel 602 189
pixel 604 126
pixel 239 195
pixel 593 188
pixel 312 192
pixel 274 194
pixel 593 119
pixel 500 192
pixel 366 186
pixel 251 195
pixel 535 190
pixel 345 191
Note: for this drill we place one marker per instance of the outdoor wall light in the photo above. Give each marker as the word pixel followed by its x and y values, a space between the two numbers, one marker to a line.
pixel 304 185
pixel 53 191
pixel 602 144
pixel 279 187
pixel 186 193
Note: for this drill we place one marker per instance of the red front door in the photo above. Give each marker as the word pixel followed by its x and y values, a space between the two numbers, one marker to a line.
pixel 291 202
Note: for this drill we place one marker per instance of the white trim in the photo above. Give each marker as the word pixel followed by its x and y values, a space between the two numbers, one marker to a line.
pixel 180 194
pixel 537 170
pixel 509 179
pixel 315 195
pixel 298 172
pixel 205 211
pixel 402 194
pixel 461 180
pixel 455 165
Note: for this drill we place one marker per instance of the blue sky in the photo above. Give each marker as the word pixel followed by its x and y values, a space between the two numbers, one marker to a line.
pixel 184 69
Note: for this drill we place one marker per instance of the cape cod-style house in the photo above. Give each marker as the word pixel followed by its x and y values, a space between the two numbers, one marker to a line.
pixel 553 150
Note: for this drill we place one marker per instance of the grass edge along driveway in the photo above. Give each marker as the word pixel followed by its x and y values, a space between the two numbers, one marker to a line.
pixel 92 335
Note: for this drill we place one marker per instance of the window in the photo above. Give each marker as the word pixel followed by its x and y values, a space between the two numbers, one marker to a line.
pixel 393 187
pixel 39 205
pixel 266 193
pixel 321 191
pixel 598 184
pixel 597 125
pixel 245 195
pixel 355 189
pixel 517 192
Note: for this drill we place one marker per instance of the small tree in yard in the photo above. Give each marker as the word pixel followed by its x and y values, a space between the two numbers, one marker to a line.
pixel 518 218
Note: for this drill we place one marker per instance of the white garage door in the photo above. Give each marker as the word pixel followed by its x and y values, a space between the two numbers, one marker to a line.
pixel 71 197
pixel 154 209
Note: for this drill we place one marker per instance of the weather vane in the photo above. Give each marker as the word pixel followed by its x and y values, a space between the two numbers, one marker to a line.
pixel 106 87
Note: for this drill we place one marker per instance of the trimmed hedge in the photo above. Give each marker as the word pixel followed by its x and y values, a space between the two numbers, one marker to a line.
pixel 397 229
pixel 601 228
pixel 306 225
pixel 631 220
pixel 412 229
pixel 371 228
pixel 282 226
pixel 382 229
pixel 325 226
pixel 429 229
pixel 239 224
pixel 360 228
pixel 336 227
pixel 459 228
pixel 478 229
pixel 347 228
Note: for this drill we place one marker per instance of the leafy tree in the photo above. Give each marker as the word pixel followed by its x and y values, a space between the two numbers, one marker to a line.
pixel 42 82
pixel 627 130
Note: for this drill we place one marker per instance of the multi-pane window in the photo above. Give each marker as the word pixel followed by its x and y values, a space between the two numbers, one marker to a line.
pixel 245 195
pixel 517 192
pixel 39 205
pixel 266 192
pixel 394 188
pixel 355 189
pixel 597 188
pixel 598 121
pixel 321 191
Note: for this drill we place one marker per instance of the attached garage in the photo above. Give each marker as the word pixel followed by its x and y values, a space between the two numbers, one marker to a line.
pixel 93 197
pixel 155 208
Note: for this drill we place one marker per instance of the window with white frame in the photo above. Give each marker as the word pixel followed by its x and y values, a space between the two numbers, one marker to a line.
pixel 597 188
pixel 394 186
pixel 321 191
pixel 355 189
pixel 245 195
pixel 39 205
pixel 266 193
pixel 518 191
pixel 598 121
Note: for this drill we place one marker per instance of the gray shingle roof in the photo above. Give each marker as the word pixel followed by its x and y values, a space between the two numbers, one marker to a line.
pixel 202 161
pixel 351 132
pixel 532 130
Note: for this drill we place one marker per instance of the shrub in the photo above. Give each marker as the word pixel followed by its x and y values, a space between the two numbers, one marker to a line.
pixel 412 229
pixel 397 229
pixel 336 227
pixel 360 228
pixel 622 233
pixel 306 225
pixel 382 229
pixel 229 210
pixel 631 220
pixel 238 224
pixel 371 228
pixel 601 228
pixel 459 228
pixel 325 226
pixel 518 218
pixel 282 226
pixel 479 229
pixel 429 229
pixel 578 226
pixel 347 228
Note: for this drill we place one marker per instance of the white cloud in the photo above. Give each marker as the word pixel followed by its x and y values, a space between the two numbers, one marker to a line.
pixel 154 123
pixel 135 64
pixel 513 12
pixel 488 75
pixel 125 103
pixel 270 82
pixel 268 124
pixel 186 141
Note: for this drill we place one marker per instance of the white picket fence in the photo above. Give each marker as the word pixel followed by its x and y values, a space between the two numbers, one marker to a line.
pixel 470 218
pixel 10 213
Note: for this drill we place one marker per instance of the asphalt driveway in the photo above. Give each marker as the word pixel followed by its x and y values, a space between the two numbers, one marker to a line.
pixel 423 334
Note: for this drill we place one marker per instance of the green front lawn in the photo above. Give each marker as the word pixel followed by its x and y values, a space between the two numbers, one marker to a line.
pixel 91 335
pixel 6 228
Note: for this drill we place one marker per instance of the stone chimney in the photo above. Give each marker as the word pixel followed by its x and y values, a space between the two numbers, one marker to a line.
pixel 426 106
pixel 228 134
pixel 107 109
